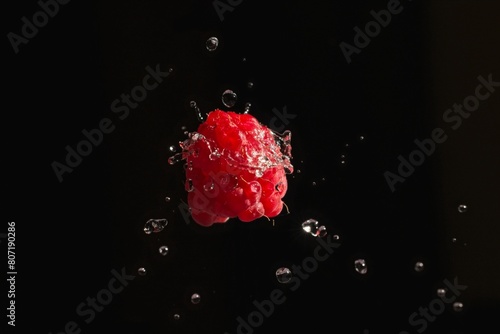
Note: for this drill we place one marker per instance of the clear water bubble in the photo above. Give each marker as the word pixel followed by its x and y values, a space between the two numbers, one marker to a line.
pixel 361 138
pixel 419 266
pixel 458 306
pixel 229 98
pixel 336 237
pixel 177 316
pixel 212 44
pixel 284 275
pixel 155 225
pixel 453 240
pixel 195 298
pixel 441 292
pixel 310 225
pixel 172 149
pixel 360 266
pixel 141 271
pixel 250 84
pixel 163 250
pixel 462 208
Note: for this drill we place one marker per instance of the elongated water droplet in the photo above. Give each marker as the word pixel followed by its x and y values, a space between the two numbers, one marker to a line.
pixel 155 225
pixel 189 185
pixel 283 275
pixel 248 105
pixel 167 199
pixel 212 44
pixel 321 232
pixel 229 98
pixel 360 266
pixel 175 158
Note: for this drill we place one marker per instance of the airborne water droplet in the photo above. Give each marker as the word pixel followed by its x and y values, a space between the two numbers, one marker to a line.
pixel 141 271
pixel 190 186
pixel 462 208
pixel 167 199
pixel 195 298
pixel 155 225
pixel 321 232
pixel 360 266
pixel 458 306
pixel 175 158
pixel 177 316
pixel 248 105
pixel 163 250
pixel 172 149
pixel 419 266
pixel 250 84
pixel 229 98
pixel 310 225
pixel 283 275
pixel 212 44
pixel 441 292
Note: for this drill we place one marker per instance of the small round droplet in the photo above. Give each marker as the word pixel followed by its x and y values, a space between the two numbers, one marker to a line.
pixel 177 316
pixel 283 275
pixel 195 298
pixel 141 271
pixel 229 98
pixel 212 44
pixel 458 306
pixel 321 232
pixel 462 208
pixel 419 266
pixel 441 292
pixel 336 237
pixel 167 199
pixel 172 149
pixel 163 250
pixel 453 239
pixel 250 84
pixel 360 266
pixel 155 225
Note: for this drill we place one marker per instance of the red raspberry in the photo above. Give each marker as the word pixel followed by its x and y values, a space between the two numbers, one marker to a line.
pixel 235 167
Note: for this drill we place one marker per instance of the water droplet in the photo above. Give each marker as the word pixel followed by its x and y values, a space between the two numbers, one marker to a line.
pixel 310 225
pixel 170 70
pixel 283 275
pixel 453 239
pixel 299 171
pixel 212 44
pixel 250 84
pixel 177 316
pixel 243 59
pixel 167 199
pixel 313 183
pixel 248 105
pixel 190 186
pixel 229 98
pixel 441 292
pixel 163 250
pixel 193 105
pixel 462 208
pixel 419 266
pixel 155 225
pixel 172 149
pixel 195 298
pixel 209 186
pixel 361 138
pixel 458 306
pixel 175 158
pixel 360 266
pixel 141 271
pixel 321 232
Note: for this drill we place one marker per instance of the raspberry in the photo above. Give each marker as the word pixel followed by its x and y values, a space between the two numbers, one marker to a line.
pixel 235 167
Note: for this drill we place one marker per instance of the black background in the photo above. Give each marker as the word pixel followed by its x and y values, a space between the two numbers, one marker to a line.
pixel 70 235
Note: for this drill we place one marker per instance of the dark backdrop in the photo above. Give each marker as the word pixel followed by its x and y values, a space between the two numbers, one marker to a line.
pixel 349 121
